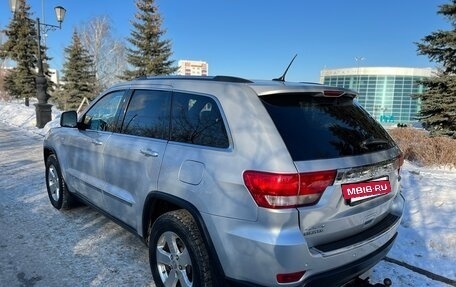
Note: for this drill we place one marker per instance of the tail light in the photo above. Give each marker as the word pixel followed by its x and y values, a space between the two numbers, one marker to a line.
pixel 274 190
pixel 333 93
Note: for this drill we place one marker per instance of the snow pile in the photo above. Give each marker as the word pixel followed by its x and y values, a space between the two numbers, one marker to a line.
pixel 17 114
pixel 427 235
pixel 426 244
pixel 429 224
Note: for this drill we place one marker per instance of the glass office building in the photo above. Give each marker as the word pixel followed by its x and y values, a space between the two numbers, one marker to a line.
pixel 385 92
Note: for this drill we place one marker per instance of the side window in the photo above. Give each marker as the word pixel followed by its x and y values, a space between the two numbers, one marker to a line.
pixel 148 114
pixel 197 119
pixel 102 116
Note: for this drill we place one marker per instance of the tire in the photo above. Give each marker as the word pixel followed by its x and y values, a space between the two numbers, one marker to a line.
pixel 177 252
pixel 56 187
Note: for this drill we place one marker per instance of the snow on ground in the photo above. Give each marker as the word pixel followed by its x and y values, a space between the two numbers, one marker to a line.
pixel 428 229
pixel 427 235
pixel 17 114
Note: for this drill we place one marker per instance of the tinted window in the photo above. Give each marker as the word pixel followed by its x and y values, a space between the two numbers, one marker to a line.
pixel 147 114
pixel 197 119
pixel 319 127
pixel 103 115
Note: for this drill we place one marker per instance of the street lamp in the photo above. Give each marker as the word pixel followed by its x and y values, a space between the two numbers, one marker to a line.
pixel 43 109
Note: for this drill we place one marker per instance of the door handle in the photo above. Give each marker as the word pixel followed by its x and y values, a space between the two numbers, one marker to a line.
pixel 148 152
pixel 95 142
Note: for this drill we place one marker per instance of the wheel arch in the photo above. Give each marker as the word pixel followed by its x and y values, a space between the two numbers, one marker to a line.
pixel 47 151
pixel 158 203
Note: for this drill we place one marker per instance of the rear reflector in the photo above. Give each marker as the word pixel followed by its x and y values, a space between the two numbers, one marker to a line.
pixel 273 190
pixel 290 277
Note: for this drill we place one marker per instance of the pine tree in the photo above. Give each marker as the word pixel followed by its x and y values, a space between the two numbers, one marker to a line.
pixel 78 77
pixel 438 102
pixel 151 53
pixel 21 47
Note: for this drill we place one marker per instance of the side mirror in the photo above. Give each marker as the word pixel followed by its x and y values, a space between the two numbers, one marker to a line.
pixel 69 119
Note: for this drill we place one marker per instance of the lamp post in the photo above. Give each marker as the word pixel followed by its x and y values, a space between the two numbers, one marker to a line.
pixel 42 108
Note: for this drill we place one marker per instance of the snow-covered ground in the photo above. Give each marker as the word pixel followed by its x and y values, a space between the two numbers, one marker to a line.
pixel 15 113
pixel 425 250
pixel 427 235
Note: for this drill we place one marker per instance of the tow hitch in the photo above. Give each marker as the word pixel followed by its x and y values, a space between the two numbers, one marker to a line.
pixel 358 282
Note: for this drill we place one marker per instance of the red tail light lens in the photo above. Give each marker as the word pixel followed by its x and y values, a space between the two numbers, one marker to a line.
pixel 314 183
pixel 333 93
pixel 272 190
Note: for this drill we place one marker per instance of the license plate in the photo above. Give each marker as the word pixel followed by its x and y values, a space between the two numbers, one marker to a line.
pixel 363 190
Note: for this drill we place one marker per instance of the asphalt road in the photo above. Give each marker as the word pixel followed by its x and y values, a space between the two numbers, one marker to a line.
pixel 41 246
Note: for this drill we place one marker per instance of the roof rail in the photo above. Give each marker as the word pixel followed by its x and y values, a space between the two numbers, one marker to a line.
pixel 199 78
pixel 231 79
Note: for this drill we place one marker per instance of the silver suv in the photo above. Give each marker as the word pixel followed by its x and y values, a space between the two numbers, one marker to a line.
pixel 234 182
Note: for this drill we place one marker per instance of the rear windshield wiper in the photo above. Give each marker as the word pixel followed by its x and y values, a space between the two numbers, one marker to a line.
pixel 365 144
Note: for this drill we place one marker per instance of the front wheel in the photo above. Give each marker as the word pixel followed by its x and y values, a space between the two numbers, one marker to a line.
pixel 177 253
pixel 56 187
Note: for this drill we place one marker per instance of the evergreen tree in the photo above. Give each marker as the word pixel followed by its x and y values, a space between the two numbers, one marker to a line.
pixel 438 102
pixel 78 77
pixel 21 47
pixel 150 55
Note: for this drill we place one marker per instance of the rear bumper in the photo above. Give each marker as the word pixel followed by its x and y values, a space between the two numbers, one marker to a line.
pixel 253 253
pixel 338 276
pixel 344 274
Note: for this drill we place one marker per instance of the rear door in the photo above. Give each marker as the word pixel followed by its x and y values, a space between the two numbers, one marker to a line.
pixel 333 133
pixel 133 156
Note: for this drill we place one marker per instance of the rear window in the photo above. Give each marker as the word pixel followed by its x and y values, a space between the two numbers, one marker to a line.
pixel 322 127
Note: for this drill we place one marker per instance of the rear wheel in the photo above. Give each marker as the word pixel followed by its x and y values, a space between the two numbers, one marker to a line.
pixel 177 253
pixel 56 187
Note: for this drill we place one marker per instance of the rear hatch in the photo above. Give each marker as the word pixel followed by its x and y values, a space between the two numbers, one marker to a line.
pixel 344 158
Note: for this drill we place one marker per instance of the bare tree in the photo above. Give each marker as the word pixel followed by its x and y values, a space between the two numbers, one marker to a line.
pixel 108 53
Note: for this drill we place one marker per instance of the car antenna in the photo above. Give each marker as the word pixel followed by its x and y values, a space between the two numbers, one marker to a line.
pixel 282 78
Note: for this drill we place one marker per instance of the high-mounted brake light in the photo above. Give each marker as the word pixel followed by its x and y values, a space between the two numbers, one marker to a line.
pixel 333 93
pixel 274 190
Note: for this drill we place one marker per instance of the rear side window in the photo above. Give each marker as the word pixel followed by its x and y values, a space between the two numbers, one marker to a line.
pixel 322 127
pixel 147 114
pixel 196 119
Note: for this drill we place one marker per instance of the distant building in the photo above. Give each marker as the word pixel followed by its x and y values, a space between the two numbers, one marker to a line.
pixel 55 76
pixel 385 92
pixel 53 73
pixel 193 68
